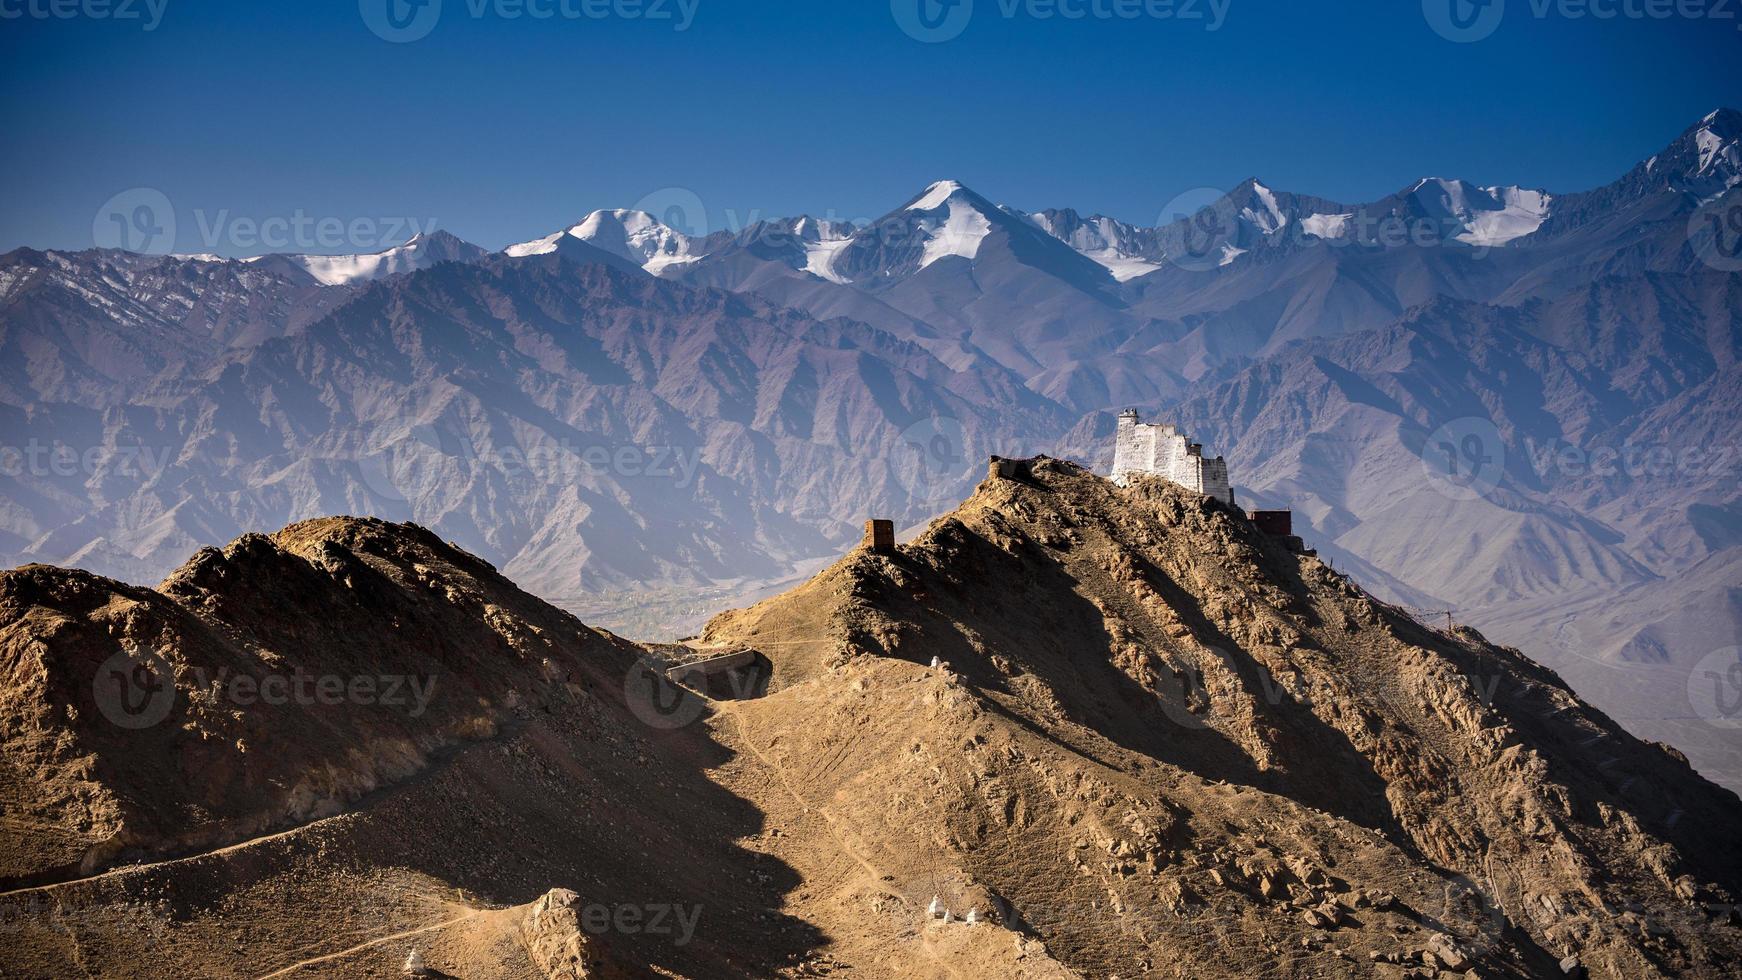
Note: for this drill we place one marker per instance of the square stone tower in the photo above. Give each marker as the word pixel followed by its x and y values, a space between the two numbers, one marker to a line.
pixel 1162 450
pixel 879 537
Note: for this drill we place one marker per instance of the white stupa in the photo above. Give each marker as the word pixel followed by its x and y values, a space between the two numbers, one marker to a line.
pixel 414 965
pixel 936 908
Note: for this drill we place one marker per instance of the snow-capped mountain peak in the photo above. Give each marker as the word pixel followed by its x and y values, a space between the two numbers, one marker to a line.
pixel 949 219
pixel 420 251
pixel 1262 212
pixel 823 242
pixel 1718 141
pixel 1124 250
pixel 936 194
pixel 636 236
pixel 1482 216
pixel 810 229
pixel 1725 122
pixel 1705 162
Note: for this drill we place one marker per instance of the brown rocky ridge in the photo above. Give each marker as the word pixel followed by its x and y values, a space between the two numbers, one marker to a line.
pixel 1127 731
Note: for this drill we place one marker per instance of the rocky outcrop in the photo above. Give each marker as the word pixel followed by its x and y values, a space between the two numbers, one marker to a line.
pixel 272 682
pixel 552 933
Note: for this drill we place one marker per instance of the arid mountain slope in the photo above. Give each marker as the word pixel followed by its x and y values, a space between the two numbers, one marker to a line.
pixel 306 822
pixel 528 778
pixel 440 641
pixel 1603 529
pixel 1166 737
pixel 1155 742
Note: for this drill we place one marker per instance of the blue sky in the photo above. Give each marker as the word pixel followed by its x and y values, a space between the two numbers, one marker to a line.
pixel 502 128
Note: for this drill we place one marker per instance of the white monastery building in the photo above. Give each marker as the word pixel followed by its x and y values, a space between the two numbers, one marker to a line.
pixel 1161 450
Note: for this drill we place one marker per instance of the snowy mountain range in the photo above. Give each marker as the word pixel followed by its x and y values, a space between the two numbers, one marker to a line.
pixel 420 252
pixel 948 219
pixel 617 408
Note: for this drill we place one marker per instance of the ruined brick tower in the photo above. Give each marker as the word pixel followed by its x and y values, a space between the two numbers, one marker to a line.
pixel 879 537
pixel 1159 449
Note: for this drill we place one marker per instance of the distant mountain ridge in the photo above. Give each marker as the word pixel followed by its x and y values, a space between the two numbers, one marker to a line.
pixel 1705 160
pixel 801 375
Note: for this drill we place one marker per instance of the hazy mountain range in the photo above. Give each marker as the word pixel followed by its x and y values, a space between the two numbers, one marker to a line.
pixel 619 409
